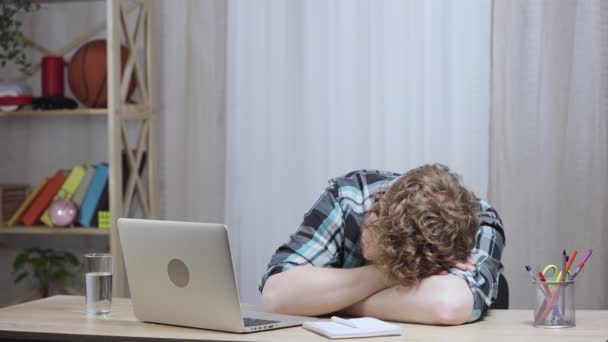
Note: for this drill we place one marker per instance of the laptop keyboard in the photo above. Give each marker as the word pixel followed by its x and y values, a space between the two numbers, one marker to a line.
pixel 252 322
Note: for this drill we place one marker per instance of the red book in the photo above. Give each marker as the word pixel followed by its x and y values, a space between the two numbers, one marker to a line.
pixel 43 200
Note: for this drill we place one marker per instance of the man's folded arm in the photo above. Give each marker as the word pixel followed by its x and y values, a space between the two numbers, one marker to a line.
pixel 312 291
pixel 304 275
pixel 455 298
pixel 440 299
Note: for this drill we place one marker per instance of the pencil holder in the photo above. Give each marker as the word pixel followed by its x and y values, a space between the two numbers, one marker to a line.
pixel 554 304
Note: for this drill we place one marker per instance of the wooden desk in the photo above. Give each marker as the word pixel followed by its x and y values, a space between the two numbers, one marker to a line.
pixel 63 318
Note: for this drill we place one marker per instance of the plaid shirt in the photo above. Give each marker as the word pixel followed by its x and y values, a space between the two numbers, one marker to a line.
pixel 329 236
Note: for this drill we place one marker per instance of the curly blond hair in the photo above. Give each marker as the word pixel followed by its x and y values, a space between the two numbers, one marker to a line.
pixel 426 221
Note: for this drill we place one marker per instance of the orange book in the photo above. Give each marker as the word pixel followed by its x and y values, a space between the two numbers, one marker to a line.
pixel 43 200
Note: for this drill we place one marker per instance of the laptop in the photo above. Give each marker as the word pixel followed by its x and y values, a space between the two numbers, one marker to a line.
pixel 181 273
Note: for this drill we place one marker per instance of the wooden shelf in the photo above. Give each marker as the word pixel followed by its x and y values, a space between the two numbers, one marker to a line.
pixel 62 1
pixel 43 230
pixel 57 112
pixel 129 112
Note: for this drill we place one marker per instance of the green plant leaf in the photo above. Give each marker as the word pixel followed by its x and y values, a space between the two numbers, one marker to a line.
pixel 56 259
pixel 72 259
pixel 20 261
pixel 60 275
pixel 11 37
pixel 38 262
pixel 21 276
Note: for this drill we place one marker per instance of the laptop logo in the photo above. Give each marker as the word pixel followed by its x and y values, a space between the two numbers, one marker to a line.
pixel 178 273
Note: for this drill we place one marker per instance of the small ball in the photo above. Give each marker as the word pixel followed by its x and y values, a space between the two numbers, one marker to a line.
pixel 62 212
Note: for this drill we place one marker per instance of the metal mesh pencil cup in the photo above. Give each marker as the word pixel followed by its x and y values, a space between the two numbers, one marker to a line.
pixel 554 304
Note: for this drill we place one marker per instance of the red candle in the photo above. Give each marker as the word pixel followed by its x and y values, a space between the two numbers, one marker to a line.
pixel 52 76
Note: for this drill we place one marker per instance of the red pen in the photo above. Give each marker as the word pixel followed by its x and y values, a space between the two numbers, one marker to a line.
pixel 542 278
pixel 581 264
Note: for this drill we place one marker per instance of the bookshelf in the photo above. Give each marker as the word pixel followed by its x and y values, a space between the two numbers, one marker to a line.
pixel 56 112
pixel 140 64
pixel 129 112
pixel 43 230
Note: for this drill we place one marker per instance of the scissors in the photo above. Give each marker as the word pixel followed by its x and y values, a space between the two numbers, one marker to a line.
pixel 554 272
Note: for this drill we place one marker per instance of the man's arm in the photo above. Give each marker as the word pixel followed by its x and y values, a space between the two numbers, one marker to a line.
pixel 455 298
pixel 487 252
pixel 304 276
pixel 440 299
pixel 311 291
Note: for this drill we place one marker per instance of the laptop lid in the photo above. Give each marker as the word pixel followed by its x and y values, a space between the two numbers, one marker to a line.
pixel 181 273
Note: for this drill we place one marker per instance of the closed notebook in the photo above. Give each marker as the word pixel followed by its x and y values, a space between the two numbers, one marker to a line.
pixel 43 200
pixel 87 212
pixel 78 197
pixel 366 327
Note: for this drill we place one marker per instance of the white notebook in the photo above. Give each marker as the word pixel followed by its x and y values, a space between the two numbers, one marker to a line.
pixel 366 327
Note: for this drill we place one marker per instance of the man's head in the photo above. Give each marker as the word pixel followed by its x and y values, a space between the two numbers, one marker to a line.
pixel 424 223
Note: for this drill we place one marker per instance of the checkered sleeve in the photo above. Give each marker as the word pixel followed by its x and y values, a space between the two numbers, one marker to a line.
pixel 317 241
pixel 487 252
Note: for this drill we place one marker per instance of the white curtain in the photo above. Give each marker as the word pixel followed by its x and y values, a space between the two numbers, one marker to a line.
pixel 318 88
pixel 191 67
pixel 549 142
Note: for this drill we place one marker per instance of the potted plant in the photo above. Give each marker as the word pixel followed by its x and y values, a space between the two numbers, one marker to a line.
pixel 12 40
pixel 49 267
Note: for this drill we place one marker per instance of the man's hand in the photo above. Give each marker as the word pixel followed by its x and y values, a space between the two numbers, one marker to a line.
pixel 467 265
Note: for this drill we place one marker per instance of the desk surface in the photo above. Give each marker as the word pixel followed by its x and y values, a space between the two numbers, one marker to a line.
pixel 63 318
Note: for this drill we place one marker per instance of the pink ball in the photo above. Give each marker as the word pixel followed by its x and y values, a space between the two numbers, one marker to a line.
pixel 62 212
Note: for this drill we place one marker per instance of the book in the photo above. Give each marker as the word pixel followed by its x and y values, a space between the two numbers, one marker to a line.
pixel 84 185
pixel 87 212
pixel 43 200
pixel 11 197
pixel 366 327
pixel 66 191
pixel 28 200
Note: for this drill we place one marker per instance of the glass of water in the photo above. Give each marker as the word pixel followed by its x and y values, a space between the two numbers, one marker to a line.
pixel 98 279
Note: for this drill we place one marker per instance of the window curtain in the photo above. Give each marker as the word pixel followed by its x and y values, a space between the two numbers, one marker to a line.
pixel 319 88
pixel 191 92
pixel 549 147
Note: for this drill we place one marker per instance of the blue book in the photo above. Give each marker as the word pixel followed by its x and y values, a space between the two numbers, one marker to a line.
pixel 86 216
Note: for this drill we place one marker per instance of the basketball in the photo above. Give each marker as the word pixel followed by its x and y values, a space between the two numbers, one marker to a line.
pixel 87 73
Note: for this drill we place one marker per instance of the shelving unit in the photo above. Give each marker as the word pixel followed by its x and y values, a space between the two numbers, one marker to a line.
pixel 118 113
pixel 38 230
pixel 129 112
pixel 57 112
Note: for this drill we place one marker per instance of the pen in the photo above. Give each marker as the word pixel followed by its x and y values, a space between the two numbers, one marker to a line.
pixel 568 265
pixel 581 264
pixel 564 261
pixel 529 269
pixel 344 322
pixel 542 278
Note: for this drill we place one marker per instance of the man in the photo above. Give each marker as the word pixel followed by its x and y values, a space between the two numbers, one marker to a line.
pixel 415 248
